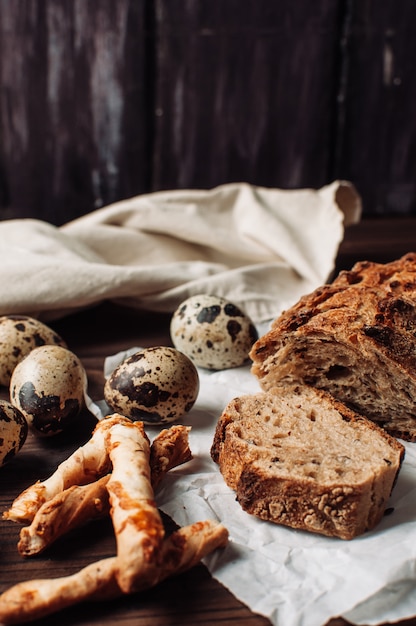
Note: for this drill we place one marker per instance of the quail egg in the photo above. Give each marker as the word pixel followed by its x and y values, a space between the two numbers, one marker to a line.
pixel 154 385
pixel 213 332
pixel 13 431
pixel 19 334
pixel 49 387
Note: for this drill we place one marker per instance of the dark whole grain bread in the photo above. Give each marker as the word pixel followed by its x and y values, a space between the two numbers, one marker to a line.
pixel 296 456
pixel 355 338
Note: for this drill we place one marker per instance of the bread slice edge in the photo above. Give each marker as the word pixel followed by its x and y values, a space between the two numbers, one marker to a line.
pixel 335 507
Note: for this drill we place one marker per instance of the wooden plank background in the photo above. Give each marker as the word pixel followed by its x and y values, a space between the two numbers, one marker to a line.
pixel 104 99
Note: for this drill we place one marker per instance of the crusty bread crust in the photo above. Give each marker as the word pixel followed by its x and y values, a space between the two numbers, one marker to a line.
pixel 355 338
pixel 296 456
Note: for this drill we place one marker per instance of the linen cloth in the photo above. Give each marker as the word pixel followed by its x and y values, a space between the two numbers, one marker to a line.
pixel 262 248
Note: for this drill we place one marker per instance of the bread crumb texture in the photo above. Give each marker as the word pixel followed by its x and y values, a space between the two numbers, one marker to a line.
pixel 298 457
pixel 354 338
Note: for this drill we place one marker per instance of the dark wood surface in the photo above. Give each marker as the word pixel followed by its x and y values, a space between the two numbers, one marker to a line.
pixel 103 100
pixel 193 597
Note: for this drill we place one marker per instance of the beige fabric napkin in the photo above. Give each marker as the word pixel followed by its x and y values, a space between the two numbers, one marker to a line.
pixel 261 248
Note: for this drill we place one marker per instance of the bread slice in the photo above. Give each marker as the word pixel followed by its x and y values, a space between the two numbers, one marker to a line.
pixel 296 456
pixel 355 338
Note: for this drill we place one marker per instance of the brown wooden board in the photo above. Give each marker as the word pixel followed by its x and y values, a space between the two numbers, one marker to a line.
pixel 377 120
pixel 244 91
pixel 104 100
pixel 73 106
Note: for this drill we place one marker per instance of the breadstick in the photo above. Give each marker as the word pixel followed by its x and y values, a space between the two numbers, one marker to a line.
pixel 189 545
pixel 86 464
pixel 34 599
pixel 67 510
pixel 143 558
pixel 80 504
pixel 184 548
pixel 136 520
pixel 169 449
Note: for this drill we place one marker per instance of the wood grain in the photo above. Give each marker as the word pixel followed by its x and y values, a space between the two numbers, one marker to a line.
pixel 71 73
pixel 377 123
pixel 103 100
pixel 244 92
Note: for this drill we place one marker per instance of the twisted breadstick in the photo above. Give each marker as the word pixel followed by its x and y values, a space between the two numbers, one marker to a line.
pixel 86 464
pixel 144 556
pixel 137 523
pixel 169 449
pixel 80 504
pixel 67 510
pixel 34 599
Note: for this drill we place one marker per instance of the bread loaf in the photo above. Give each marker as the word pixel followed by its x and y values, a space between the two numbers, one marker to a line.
pixel 296 456
pixel 355 338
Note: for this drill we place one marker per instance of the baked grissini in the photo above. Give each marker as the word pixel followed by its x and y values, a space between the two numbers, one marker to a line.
pixel 90 462
pixel 86 464
pixel 137 523
pixel 80 504
pixel 69 509
pixel 154 556
pixel 35 599
pixel 169 449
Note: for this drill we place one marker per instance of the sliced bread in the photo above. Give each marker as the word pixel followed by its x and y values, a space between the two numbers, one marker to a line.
pixel 355 338
pixel 296 456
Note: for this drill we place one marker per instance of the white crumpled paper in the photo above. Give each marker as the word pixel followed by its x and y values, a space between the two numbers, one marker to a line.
pixel 291 577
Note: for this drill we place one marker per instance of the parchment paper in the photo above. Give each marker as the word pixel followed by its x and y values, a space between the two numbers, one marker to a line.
pixel 294 578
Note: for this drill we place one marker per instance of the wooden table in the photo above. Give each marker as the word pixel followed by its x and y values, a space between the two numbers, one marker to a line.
pixel 193 597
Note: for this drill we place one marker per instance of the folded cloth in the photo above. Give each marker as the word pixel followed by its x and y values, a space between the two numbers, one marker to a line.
pixel 261 248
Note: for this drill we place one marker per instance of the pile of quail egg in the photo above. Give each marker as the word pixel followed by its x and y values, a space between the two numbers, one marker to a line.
pixel 159 385
pixel 48 384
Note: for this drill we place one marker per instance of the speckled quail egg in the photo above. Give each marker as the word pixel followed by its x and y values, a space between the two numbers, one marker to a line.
pixel 213 332
pixel 13 431
pixel 19 334
pixel 49 387
pixel 154 385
